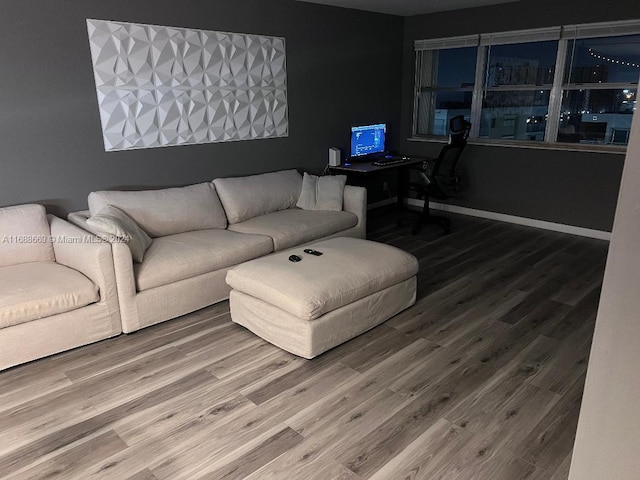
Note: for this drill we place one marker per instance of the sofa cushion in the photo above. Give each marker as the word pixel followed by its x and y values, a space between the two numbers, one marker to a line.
pixel 322 193
pixel 24 235
pixel 166 211
pixel 41 289
pixel 248 197
pixel 294 226
pixel 113 221
pixel 185 255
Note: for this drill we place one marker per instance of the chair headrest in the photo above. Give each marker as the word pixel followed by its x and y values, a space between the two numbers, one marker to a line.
pixel 458 129
pixel 458 124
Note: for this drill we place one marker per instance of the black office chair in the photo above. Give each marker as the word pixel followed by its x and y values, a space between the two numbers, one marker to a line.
pixel 437 178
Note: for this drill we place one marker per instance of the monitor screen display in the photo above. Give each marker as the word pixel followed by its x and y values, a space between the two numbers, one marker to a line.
pixel 367 139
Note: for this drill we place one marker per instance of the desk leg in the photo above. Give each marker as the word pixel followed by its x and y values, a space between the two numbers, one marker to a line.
pixel 403 186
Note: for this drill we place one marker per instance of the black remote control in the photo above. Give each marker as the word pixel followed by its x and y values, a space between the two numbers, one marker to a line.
pixel 295 258
pixel 312 252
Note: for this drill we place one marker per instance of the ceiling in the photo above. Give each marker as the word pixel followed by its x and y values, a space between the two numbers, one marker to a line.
pixel 408 7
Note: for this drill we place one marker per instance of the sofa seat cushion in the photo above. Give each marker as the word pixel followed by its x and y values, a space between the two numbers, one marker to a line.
pixel 29 291
pixel 184 255
pixel 294 226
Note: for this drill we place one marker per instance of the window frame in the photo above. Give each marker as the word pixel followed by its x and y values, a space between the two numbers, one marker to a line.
pixel 563 35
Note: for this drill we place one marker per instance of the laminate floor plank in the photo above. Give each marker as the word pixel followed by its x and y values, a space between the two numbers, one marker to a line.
pixel 499 389
pixel 303 461
pixel 381 445
pixel 30 385
pixel 581 317
pixel 509 424
pixel 141 425
pixel 481 379
pixel 426 454
pixel 287 381
pixel 258 456
pixel 292 400
pixel 205 439
pixel 552 439
pixel 568 365
pixel 359 410
pixel 437 367
pixel 144 474
pixel 67 464
pixel 541 319
pixel 246 357
pixel 137 345
pixel 484 313
pixel 386 344
pixel 79 428
pixel 428 309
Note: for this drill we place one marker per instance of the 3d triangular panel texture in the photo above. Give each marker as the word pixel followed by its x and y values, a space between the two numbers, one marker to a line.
pixel 160 86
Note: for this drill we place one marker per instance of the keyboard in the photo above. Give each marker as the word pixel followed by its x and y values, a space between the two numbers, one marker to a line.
pixel 390 161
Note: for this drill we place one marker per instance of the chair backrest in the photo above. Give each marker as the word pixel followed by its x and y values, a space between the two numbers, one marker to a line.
pixel 444 170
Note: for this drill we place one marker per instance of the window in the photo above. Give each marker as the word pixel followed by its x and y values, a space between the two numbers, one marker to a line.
pixel 599 90
pixel 572 84
pixel 447 80
pixel 516 90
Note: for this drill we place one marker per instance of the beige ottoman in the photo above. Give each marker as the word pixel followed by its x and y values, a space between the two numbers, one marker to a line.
pixel 310 306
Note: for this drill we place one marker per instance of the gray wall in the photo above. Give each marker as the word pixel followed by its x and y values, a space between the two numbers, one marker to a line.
pixel 572 188
pixel 343 68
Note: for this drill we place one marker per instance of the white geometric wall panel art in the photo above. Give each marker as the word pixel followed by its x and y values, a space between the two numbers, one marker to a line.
pixel 160 86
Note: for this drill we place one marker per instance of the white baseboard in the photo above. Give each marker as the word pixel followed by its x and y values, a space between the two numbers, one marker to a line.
pixel 530 222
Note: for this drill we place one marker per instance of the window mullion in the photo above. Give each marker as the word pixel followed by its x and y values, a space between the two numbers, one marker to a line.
pixel 416 93
pixel 555 97
pixel 476 98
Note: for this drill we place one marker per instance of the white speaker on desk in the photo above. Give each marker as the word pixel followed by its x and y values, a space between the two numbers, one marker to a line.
pixel 334 156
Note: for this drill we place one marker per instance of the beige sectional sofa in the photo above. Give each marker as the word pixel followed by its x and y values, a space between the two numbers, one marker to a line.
pixel 200 231
pixel 57 286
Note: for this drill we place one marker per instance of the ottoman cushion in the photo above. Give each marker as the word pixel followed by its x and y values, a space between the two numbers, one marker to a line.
pixel 310 306
pixel 349 270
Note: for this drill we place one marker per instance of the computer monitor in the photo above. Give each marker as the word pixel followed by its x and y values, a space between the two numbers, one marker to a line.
pixel 368 139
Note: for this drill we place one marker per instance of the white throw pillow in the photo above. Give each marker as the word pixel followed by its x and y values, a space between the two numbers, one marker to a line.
pixel 111 220
pixel 322 193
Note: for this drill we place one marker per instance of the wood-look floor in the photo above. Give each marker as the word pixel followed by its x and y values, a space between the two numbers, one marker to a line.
pixel 481 379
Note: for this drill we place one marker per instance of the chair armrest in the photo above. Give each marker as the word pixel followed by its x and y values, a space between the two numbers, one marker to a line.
pixel 355 201
pixel 80 250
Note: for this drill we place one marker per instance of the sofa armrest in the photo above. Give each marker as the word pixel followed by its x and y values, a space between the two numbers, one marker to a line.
pixel 122 265
pixel 86 253
pixel 355 201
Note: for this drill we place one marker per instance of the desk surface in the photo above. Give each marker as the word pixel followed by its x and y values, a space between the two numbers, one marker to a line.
pixel 364 168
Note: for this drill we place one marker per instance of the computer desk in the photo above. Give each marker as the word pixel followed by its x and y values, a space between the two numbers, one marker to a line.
pixel 361 170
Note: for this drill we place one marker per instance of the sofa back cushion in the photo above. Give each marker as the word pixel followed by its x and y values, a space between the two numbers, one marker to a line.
pixel 24 235
pixel 166 211
pixel 248 197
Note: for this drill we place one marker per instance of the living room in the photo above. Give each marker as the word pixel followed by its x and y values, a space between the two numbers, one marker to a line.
pixel 344 67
